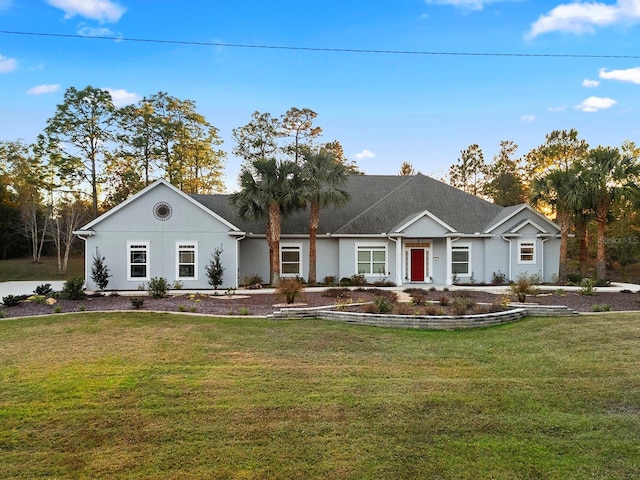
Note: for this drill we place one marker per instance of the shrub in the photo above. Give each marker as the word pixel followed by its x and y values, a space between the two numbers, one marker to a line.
pixel 521 288
pixel 403 309
pixel 253 281
pixel 215 270
pixel 99 271
pixel 2 314
pixel 444 301
pixel 586 287
pixel 498 278
pixel 182 308
pixel 358 280
pixel 45 290
pixel 574 278
pixel 460 305
pixel 432 310
pixel 601 308
pixel 178 285
pixel 137 302
pixel 11 300
pixel 383 304
pixel 336 292
pixel 57 309
pixel 329 280
pixel 73 289
pixel 244 311
pixel 345 282
pixel 158 287
pixel 433 289
pixel 370 308
pixel 289 288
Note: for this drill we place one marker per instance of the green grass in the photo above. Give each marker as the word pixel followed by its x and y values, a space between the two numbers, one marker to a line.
pixel 165 396
pixel 25 269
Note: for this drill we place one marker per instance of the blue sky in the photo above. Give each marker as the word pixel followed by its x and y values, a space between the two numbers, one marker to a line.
pixel 385 108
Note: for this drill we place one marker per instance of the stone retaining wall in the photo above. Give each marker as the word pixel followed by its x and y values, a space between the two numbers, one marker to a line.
pixel 426 322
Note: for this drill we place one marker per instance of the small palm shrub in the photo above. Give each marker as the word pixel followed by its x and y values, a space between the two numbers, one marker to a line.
pixel 289 288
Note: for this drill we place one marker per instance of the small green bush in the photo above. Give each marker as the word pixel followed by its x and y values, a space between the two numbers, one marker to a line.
pixel 383 304
pixel 136 302
pixel 601 308
pixel 2 314
pixel 586 287
pixel 345 282
pixel 45 290
pixel 357 280
pixel 244 311
pixel 158 287
pixel 253 281
pixel 57 309
pixel 73 289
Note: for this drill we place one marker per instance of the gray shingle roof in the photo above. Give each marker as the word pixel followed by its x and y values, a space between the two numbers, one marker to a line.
pixel 379 204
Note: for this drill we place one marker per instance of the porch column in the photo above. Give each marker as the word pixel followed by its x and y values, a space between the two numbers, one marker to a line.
pixel 448 260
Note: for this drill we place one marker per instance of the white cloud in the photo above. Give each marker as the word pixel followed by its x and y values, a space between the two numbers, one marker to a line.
pixel 121 97
pixel 590 83
pixel 101 10
pixel 364 154
pixel 561 108
pixel 528 118
pixel 466 4
pixel 95 32
pixel 580 17
pixel 629 75
pixel 7 64
pixel 593 104
pixel 42 89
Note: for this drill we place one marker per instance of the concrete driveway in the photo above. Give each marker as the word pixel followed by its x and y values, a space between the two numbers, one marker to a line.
pixel 26 288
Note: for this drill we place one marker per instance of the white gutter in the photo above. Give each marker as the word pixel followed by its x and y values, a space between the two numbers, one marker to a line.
pixel 542 257
pixel 238 258
pixel 398 243
pixel 507 239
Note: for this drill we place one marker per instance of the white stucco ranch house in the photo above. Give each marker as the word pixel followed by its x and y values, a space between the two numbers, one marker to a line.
pixel 403 229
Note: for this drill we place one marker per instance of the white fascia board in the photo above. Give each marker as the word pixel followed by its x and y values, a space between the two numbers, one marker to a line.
pixel 150 187
pixel 425 213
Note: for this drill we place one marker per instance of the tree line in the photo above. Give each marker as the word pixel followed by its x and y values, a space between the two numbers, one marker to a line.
pixel 592 193
pixel 92 155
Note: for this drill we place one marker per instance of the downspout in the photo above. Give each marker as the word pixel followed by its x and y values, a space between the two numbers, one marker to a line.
pixel 83 236
pixel 510 256
pixel 238 259
pixel 449 279
pixel 398 243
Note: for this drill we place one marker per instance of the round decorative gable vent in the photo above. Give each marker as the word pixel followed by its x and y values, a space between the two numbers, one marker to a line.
pixel 162 211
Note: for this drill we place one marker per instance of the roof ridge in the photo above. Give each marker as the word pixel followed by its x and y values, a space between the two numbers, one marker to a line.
pixel 384 197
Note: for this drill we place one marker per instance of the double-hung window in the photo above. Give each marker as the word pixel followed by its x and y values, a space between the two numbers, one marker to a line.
pixel 461 260
pixel 138 261
pixel 372 259
pixel 187 259
pixel 526 251
pixel 290 260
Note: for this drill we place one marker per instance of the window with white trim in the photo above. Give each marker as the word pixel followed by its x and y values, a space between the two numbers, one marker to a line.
pixel 138 261
pixel 526 251
pixel 290 260
pixel 372 259
pixel 187 260
pixel 461 260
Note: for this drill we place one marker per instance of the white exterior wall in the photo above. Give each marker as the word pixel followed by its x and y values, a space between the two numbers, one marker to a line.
pixel 136 223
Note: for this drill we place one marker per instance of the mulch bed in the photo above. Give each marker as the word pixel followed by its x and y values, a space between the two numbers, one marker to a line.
pixel 261 304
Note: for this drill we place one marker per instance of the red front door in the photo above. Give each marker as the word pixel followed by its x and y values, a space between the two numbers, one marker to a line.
pixel 417 265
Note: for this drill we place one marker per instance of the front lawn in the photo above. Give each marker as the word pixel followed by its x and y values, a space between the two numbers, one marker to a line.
pixel 107 395
pixel 19 269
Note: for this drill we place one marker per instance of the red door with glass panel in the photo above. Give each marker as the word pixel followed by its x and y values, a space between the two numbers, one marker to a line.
pixel 418 264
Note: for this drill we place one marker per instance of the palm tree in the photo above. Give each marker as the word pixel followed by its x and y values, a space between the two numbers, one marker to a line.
pixel 609 177
pixel 323 177
pixel 269 190
pixel 558 189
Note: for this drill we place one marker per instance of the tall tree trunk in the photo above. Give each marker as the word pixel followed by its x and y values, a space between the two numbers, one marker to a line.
pixel 581 231
pixel 314 220
pixel 601 253
pixel 563 223
pixel 273 238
